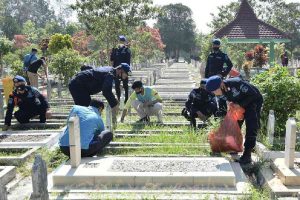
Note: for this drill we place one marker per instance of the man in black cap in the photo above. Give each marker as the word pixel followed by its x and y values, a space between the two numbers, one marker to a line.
pixel 243 94
pixel 30 102
pixel 216 60
pixel 119 55
pixel 93 81
pixel 201 104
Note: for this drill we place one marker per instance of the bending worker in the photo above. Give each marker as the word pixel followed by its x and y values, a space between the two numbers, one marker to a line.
pixel 243 94
pixel 30 102
pixel 93 137
pixel 146 101
pixel 33 74
pixel 92 81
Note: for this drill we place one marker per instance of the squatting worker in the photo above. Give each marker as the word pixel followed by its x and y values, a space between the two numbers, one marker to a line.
pixel 146 101
pixel 121 54
pixel 33 74
pixel 30 102
pixel 201 104
pixel 247 96
pixel 216 60
pixel 93 137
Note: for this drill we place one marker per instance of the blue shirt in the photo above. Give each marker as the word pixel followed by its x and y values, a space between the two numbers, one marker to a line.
pixel 28 59
pixel 90 122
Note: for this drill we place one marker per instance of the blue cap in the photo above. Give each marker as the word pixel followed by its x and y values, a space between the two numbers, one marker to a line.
pixel 213 83
pixel 18 79
pixel 203 81
pixel 126 68
pixel 122 38
pixel 216 41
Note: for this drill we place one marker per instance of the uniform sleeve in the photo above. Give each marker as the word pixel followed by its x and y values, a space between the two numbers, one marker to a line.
pixel 107 91
pixel 188 103
pixel 112 55
pixel 130 100
pixel 9 111
pixel 128 56
pixel 206 68
pixel 228 62
pixel 43 100
pixel 155 94
pixel 249 95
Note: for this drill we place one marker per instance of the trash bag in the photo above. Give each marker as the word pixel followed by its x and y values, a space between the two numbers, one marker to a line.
pixel 228 137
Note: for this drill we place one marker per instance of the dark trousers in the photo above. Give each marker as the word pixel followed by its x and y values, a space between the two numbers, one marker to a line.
pixel 96 145
pixel 118 89
pixel 80 95
pixel 24 116
pixel 252 119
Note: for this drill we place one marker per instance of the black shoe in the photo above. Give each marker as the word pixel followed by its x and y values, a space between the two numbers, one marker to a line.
pixel 145 119
pixel 244 160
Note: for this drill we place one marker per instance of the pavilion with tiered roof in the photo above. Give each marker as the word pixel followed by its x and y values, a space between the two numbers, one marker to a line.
pixel 247 28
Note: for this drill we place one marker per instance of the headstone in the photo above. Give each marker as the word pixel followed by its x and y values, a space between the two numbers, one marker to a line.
pixel 3 192
pixel 74 141
pixel 290 142
pixel 1 106
pixel 108 124
pixel 39 179
pixel 49 90
pixel 271 127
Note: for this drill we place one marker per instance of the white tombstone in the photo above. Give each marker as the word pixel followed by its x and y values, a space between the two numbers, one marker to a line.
pixel 108 124
pixel 49 90
pixel 290 143
pixel 74 141
pixel 3 192
pixel 271 127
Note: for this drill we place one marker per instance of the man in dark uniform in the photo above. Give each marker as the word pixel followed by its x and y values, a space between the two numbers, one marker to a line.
pixel 119 55
pixel 201 104
pixel 243 94
pixel 93 81
pixel 215 62
pixel 30 102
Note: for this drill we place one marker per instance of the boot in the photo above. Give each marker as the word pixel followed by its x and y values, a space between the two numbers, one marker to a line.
pixel 245 158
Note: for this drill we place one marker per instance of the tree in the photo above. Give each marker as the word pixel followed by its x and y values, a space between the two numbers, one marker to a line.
pixel 81 41
pixel 59 42
pixel 65 63
pixel 30 30
pixel 108 19
pixel 20 41
pixel 177 28
pixel 5 47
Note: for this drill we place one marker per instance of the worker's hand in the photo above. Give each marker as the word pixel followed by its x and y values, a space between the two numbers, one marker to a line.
pixel 201 116
pixel 48 114
pixel 5 128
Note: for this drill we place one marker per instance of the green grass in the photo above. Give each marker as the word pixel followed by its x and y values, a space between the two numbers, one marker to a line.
pixel 12 152
pixel 165 137
pixel 140 127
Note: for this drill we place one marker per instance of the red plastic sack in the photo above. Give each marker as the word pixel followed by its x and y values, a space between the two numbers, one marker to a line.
pixel 228 138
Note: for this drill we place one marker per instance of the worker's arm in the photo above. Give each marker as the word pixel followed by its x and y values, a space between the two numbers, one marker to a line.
pixel 158 99
pixel 107 91
pixel 207 68
pixel 9 111
pixel 229 64
pixel 127 106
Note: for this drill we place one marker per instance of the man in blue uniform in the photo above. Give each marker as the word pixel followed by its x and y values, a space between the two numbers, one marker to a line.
pixel 119 55
pixel 92 81
pixel 216 60
pixel 247 96
pixel 93 138
pixel 201 104
pixel 29 58
pixel 30 102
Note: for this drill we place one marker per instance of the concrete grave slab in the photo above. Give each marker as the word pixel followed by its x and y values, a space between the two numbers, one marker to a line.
pixel 19 157
pixel 7 173
pixel 29 139
pixel 139 171
pixel 289 177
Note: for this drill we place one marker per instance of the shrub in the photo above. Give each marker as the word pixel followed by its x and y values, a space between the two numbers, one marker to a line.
pixel 66 63
pixel 13 63
pixel 281 93
pixel 59 42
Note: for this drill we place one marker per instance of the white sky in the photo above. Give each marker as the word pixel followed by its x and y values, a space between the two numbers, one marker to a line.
pixel 201 9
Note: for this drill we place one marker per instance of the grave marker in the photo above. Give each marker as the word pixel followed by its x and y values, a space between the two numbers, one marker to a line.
pixel 108 124
pixel 74 140
pixel 290 142
pixel 3 192
pixel 271 127
pixel 39 179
